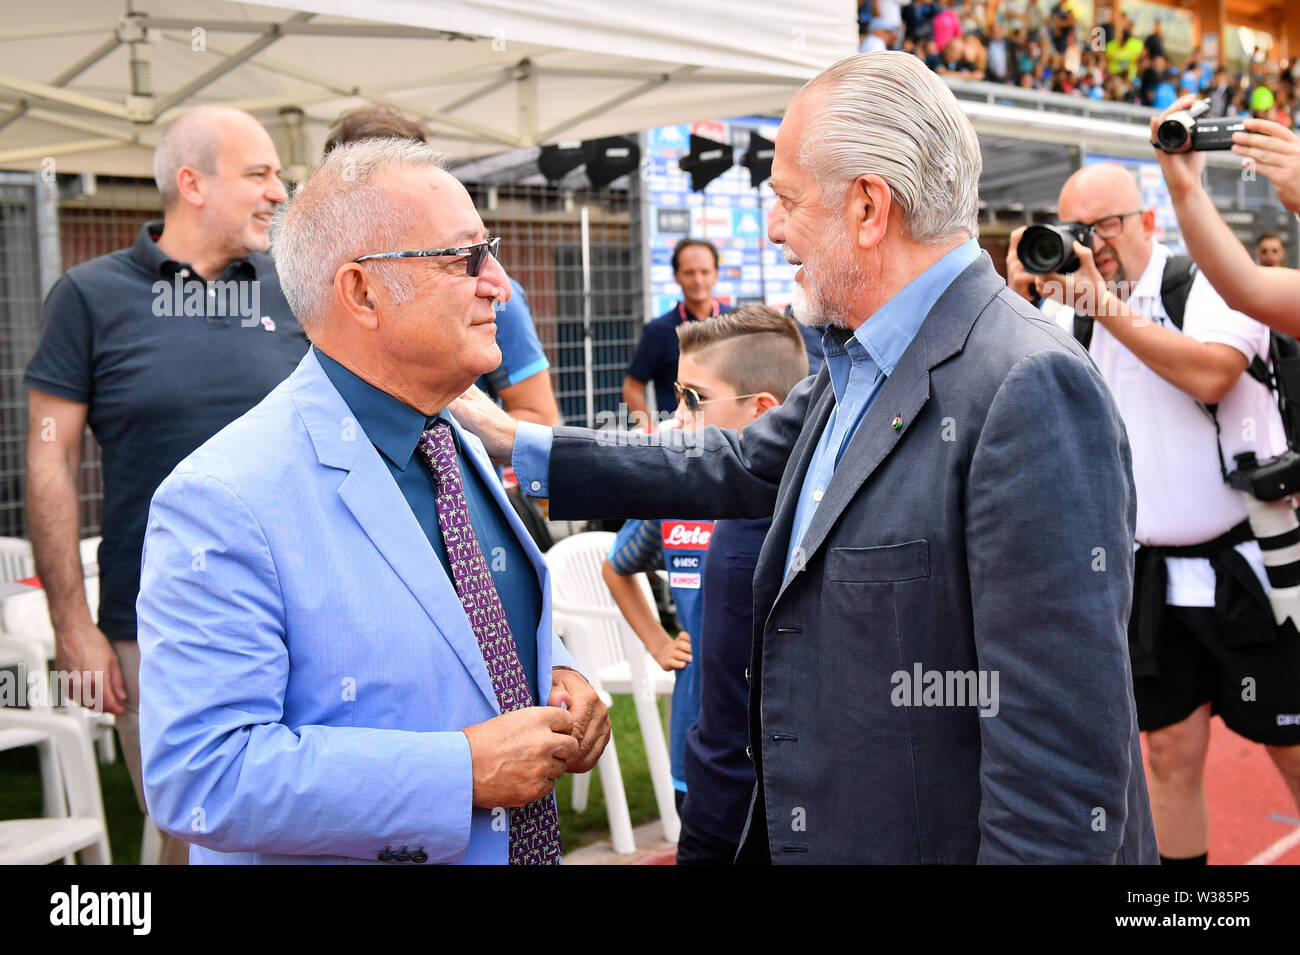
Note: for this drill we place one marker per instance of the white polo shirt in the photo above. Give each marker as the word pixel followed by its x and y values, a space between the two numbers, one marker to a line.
pixel 1181 496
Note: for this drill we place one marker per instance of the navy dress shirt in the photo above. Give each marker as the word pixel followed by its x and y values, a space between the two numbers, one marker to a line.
pixel 394 428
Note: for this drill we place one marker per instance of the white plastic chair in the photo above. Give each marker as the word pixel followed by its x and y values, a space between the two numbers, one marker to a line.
pixel 83 828
pixel 607 649
pixel 52 803
pixel 611 774
pixel 27 635
pixel 28 658
pixel 27 638
pixel 90 561
pixel 16 561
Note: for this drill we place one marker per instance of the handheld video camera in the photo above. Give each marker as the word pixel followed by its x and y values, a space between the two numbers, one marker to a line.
pixel 1185 130
pixel 1050 248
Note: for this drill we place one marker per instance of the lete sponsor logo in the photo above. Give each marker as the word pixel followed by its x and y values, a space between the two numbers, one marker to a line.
pixel 687 535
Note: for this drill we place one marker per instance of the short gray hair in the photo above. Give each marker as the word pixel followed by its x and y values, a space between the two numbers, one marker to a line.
pixel 190 139
pixel 886 114
pixel 340 213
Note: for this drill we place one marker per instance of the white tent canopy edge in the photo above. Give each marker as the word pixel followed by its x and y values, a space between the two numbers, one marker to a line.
pixel 486 76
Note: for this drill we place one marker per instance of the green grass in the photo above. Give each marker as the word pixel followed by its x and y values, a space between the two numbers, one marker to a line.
pixel 20 791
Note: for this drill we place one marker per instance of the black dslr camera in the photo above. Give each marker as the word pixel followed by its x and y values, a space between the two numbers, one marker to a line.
pixel 1185 130
pixel 1050 248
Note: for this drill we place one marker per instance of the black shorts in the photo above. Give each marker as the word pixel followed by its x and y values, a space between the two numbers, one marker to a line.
pixel 1256 689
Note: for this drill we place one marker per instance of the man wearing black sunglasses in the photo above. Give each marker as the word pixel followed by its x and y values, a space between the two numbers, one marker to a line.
pixel 346 633
pixel 522 381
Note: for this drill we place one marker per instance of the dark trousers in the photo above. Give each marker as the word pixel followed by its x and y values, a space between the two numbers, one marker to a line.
pixel 696 847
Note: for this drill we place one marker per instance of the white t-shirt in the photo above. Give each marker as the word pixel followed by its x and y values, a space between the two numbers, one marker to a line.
pixel 1181 497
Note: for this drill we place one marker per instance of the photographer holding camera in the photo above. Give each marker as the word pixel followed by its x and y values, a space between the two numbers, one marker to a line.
pixel 1202 635
pixel 1267 294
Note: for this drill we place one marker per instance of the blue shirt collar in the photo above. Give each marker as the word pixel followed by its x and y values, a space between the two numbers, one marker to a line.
pixel 392 426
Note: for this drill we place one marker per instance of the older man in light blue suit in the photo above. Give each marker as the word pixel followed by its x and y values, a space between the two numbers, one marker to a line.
pixel 316 685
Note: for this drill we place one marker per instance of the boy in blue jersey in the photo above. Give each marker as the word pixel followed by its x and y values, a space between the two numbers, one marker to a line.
pixel 732 369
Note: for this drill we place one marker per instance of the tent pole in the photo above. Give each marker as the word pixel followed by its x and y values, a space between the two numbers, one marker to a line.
pixel 587 357
pixel 762 270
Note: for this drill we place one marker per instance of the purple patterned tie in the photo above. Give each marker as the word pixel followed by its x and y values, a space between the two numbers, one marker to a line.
pixel 534 828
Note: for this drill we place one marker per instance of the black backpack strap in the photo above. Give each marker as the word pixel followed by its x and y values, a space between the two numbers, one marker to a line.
pixel 1213 412
pixel 1282 378
pixel 1258 367
pixel 1083 330
pixel 1175 286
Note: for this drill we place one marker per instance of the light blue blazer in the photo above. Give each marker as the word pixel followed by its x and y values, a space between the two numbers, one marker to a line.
pixel 306 667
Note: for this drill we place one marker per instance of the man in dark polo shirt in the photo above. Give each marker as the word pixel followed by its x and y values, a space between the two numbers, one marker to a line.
pixel 157 347
pixel 695 267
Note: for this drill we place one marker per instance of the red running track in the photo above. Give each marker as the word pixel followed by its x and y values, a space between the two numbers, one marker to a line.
pixel 1245 793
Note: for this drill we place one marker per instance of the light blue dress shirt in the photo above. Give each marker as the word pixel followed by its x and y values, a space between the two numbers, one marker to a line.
pixel 858 364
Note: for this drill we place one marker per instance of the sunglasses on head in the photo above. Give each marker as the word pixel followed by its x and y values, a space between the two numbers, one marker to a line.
pixel 475 255
pixel 691 398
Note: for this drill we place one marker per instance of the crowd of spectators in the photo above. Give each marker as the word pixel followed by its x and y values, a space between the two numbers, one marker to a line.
pixel 1046 46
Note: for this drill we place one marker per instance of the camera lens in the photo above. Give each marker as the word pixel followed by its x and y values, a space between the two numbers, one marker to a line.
pixel 1042 249
pixel 1172 135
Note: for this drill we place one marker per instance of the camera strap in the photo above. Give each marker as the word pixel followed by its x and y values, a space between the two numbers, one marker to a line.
pixel 1175 287
pixel 1083 325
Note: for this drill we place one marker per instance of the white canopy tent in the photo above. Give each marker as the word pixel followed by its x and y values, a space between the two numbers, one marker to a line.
pixel 85 85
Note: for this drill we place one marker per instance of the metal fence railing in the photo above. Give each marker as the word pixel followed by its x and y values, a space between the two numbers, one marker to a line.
pixel 1004 94
pixel 19 314
pixel 542 250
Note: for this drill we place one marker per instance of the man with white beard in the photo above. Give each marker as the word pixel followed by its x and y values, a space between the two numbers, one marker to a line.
pixel 940 669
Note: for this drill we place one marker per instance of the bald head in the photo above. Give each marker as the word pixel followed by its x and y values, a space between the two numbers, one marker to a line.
pixel 1101 189
pixel 195 138
pixel 1107 196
